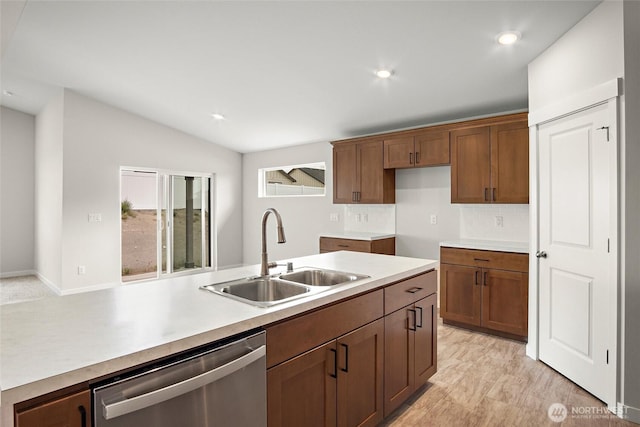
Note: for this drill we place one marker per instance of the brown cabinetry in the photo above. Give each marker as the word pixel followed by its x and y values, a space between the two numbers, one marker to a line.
pixel 379 246
pixel 410 338
pixel 337 380
pixel 424 149
pixel 359 175
pixel 490 164
pixel 485 290
pixel 72 411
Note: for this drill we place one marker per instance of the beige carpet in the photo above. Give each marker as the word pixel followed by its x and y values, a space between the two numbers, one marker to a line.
pixel 24 288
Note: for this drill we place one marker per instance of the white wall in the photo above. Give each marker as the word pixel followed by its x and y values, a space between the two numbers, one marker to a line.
pixel 601 47
pixel 304 219
pixel 17 192
pixel 631 226
pixel 48 191
pixel 98 140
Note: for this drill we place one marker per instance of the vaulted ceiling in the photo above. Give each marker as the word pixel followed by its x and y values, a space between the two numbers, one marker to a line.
pixel 282 73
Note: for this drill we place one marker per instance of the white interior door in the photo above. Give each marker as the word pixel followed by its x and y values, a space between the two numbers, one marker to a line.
pixel 576 334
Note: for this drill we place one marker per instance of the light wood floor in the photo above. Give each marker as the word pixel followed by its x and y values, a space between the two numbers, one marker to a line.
pixel 484 380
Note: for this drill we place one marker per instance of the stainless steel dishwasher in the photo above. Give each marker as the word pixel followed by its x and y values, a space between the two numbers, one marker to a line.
pixel 220 386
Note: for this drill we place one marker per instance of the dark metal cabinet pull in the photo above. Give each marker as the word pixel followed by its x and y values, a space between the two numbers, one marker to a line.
pixel 346 358
pixel 486 196
pixel 486 283
pixel 493 194
pixel 410 158
pixel 417 157
pixel 414 290
pixel 343 246
pixel 410 310
pixel 481 259
pixel 476 274
pixel 419 325
pixel 335 363
pixel 83 416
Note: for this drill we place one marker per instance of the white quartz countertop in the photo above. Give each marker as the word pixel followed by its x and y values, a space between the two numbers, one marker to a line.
pixel 49 344
pixel 357 235
pixel 488 245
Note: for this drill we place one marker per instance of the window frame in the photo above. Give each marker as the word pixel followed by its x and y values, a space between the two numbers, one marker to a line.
pixel 262 181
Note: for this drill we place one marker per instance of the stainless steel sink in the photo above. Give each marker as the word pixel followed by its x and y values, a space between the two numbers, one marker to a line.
pixel 319 277
pixel 260 291
pixel 265 291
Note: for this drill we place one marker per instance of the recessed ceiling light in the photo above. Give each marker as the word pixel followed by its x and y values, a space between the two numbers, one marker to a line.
pixel 7 93
pixel 509 37
pixel 218 116
pixel 384 74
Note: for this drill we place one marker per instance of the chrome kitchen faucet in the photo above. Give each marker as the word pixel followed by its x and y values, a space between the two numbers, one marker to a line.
pixel 266 265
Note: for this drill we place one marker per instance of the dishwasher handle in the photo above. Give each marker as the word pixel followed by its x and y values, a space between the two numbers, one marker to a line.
pixel 154 397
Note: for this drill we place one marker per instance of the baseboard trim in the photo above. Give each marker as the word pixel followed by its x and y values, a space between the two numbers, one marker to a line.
pixel 628 413
pixel 89 288
pixel 49 284
pixel 21 273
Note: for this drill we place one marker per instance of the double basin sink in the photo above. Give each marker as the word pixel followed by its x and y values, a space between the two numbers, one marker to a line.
pixel 265 291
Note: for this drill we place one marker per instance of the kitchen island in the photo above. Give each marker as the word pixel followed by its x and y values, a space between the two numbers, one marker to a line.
pixel 51 344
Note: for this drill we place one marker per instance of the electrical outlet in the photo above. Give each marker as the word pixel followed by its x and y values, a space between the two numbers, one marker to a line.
pixel 333 217
pixel 365 217
pixel 499 221
pixel 358 218
pixel 82 270
pixel 95 217
pixel 434 219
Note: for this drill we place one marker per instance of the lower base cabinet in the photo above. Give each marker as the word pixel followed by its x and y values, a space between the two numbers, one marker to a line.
pixel 69 411
pixel 339 383
pixel 410 358
pixel 386 348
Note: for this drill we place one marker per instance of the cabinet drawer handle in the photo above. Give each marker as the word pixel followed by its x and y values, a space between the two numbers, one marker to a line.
pixel 486 283
pixel 343 246
pixel 410 158
pixel 346 358
pixel 476 274
pixel 486 194
pixel 83 416
pixel 335 363
pixel 481 259
pixel 419 325
pixel 493 194
pixel 410 310
pixel 417 157
pixel 413 290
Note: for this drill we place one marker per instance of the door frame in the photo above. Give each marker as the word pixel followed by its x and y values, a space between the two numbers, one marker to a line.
pixel 608 93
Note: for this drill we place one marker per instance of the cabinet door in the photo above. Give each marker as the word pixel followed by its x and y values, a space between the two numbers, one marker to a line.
pixel 426 338
pixel 505 301
pixel 460 293
pixel 432 148
pixel 344 173
pixel 360 376
pixel 510 163
pixel 398 357
pixel 471 165
pixel 69 411
pixel 302 391
pixel 399 153
pixel 372 178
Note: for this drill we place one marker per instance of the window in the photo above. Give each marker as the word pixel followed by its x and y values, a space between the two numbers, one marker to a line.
pixel 181 240
pixel 296 180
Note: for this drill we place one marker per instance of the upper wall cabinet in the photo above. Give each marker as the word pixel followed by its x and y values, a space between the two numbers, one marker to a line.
pixel 490 164
pixel 359 175
pixel 424 149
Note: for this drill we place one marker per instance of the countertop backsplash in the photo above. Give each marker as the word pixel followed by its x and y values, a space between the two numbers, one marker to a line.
pixel 370 218
pixel 481 222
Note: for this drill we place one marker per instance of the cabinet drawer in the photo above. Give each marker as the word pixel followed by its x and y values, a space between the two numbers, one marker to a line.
pixel 330 244
pixel 409 291
pixel 292 337
pixel 488 259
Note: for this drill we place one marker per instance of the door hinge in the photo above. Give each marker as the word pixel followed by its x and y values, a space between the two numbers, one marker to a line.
pixel 605 128
pixel 607 357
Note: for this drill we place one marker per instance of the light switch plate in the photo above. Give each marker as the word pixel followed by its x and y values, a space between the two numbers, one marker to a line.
pixel 434 219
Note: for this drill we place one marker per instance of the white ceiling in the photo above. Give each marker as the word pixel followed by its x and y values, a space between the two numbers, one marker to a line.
pixel 283 73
